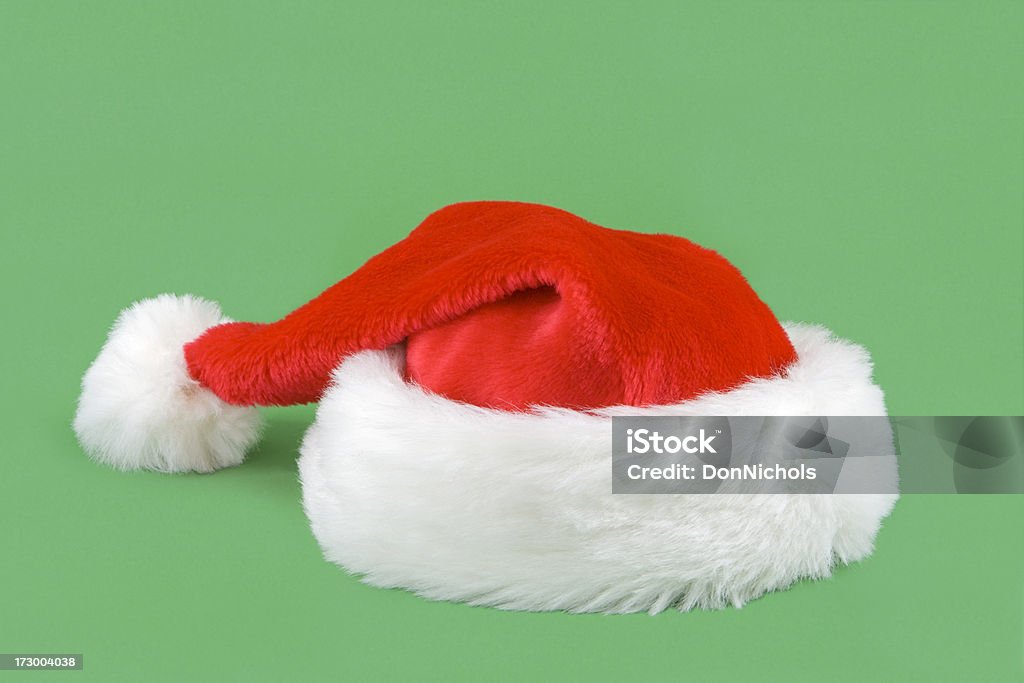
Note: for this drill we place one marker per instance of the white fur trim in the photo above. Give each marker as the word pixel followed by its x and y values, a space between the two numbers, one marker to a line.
pixel 515 510
pixel 140 409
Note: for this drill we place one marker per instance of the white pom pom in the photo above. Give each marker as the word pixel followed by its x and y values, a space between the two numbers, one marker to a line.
pixel 140 409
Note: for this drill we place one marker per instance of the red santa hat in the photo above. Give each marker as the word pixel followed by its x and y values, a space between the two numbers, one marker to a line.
pixel 467 378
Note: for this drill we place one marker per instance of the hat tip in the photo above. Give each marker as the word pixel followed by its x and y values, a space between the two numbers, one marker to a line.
pixel 140 408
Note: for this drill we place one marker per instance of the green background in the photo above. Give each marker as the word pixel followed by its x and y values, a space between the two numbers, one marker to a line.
pixel 860 162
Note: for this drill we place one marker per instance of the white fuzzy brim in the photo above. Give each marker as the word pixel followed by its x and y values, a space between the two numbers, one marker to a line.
pixel 515 510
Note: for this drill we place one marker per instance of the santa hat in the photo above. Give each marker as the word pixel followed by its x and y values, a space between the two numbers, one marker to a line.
pixel 467 378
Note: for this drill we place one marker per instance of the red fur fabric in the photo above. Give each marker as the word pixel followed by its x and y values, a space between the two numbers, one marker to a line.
pixel 509 305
